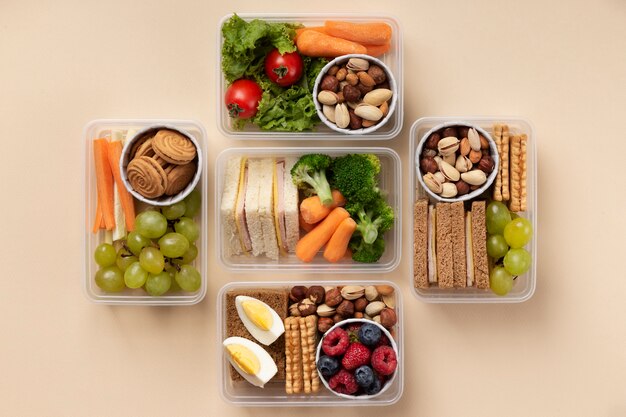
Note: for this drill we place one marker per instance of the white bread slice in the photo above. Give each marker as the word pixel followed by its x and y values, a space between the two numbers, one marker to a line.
pixel 291 207
pixel 266 207
pixel 253 219
pixel 228 208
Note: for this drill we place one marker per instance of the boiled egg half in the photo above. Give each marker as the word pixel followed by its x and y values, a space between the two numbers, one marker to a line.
pixel 250 360
pixel 261 320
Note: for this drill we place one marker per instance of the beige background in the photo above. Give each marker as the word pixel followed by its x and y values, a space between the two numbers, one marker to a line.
pixel 561 64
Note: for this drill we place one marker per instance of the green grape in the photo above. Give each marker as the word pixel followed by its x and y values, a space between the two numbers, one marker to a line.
pixel 193 202
pixel 188 228
pixel 517 261
pixel 124 258
pixel 152 260
pixel 136 242
pixel 514 216
pixel 158 284
pixel 496 246
pixel 188 257
pixel 172 271
pixel 518 232
pixel 188 278
pixel 105 254
pixel 151 224
pixel 173 245
pixel 498 216
pixel 135 276
pixel 110 279
pixel 500 281
pixel 174 211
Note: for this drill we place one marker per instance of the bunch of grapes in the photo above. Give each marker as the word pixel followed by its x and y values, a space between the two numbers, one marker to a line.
pixel 157 255
pixel 507 236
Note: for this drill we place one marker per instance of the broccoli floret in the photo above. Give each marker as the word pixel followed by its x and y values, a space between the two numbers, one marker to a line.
pixel 365 252
pixel 356 177
pixel 372 219
pixel 310 173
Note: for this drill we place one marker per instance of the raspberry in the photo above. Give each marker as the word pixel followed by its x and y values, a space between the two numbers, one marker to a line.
pixel 384 341
pixel 336 342
pixel 356 355
pixel 343 382
pixel 384 360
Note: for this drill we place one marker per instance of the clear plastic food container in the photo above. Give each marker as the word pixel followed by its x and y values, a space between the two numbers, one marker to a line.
pixel 393 59
pixel 390 182
pixel 103 128
pixel 524 286
pixel 273 394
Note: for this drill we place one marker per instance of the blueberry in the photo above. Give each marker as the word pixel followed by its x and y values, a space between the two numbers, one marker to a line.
pixel 364 376
pixel 369 334
pixel 328 366
pixel 374 388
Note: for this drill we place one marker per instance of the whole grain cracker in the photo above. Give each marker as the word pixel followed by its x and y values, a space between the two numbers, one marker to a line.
pixel 497 137
pixel 523 157
pixel 516 173
pixel 506 193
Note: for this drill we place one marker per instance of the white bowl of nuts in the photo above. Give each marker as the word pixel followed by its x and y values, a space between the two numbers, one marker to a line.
pixel 355 94
pixel 456 161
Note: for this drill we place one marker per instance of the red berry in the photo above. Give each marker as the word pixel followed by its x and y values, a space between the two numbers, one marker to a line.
pixel 357 355
pixel 384 360
pixel 343 382
pixel 336 342
pixel 384 341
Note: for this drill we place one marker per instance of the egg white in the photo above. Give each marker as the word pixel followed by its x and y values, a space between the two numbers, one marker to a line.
pixel 266 337
pixel 268 367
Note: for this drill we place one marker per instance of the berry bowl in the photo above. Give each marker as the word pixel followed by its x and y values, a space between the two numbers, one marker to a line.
pixel 357 359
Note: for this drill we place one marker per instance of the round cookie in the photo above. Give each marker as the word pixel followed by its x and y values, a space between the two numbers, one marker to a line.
pixel 147 177
pixel 178 176
pixel 173 147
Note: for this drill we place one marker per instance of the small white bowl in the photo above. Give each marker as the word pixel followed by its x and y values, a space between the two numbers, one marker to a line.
pixel 340 60
pixel 389 381
pixel 163 200
pixel 490 178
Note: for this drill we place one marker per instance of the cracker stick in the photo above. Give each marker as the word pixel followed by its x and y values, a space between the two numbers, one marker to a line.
pixel 497 137
pixel 524 157
pixel 506 193
pixel 288 357
pixel 294 340
pixel 311 333
pixel 516 173
pixel 306 364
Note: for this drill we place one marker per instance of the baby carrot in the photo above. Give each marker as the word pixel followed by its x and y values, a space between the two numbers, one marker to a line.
pixel 312 242
pixel 377 50
pixel 128 204
pixel 312 210
pixel 338 243
pixel 313 43
pixel 104 179
pixel 375 33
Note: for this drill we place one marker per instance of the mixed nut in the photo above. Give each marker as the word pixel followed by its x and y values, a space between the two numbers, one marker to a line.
pixel 453 167
pixel 334 304
pixel 356 95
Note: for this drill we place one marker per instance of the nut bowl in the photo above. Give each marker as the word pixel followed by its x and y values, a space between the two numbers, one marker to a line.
pixel 377 108
pixel 442 180
pixel 390 378
pixel 171 171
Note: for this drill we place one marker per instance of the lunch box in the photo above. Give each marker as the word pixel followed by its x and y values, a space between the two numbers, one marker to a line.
pixel 273 394
pixel 524 286
pixel 103 128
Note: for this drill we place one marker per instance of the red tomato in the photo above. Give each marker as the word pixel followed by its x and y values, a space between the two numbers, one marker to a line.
pixel 284 70
pixel 242 98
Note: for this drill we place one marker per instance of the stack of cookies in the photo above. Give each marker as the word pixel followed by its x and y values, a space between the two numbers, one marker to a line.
pixel 162 164
pixel 510 184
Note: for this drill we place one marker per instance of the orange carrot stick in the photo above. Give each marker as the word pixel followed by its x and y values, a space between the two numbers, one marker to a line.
pixel 304 225
pixel 104 178
pixel 128 204
pixel 312 242
pixel 375 33
pixel 98 222
pixel 316 44
pixel 320 29
pixel 338 243
pixel 377 50
pixel 313 211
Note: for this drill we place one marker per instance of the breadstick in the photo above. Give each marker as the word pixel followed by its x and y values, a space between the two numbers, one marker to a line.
pixel 497 137
pixel 523 157
pixel 506 193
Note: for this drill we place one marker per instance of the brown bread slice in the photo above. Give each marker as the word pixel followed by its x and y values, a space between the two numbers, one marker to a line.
pixel 420 244
pixel 479 242
pixel 459 268
pixel 445 261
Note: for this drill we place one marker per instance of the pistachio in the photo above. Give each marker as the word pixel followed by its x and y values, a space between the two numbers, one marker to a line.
pixel 449 190
pixel 440 177
pixel 389 300
pixel 352 292
pixel 353 104
pixel 327 97
pixel 448 145
pixel 368 112
pixel 358 64
pixel 342 117
pixel 374 308
pixel 376 319
pixel 474 177
pixel 377 97
pixel 438 160
pixel 371 293
pixel 463 164
pixel 449 171
pixel 451 159
pixel 329 112
pixel 433 183
pixel 324 310
pixel 474 139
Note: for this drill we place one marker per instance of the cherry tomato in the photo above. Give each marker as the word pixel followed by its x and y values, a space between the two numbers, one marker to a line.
pixel 285 69
pixel 242 98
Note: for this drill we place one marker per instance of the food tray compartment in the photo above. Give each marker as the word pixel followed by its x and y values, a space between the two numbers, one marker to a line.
pixel 102 128
pixel 273 394
pixel 524 286
pixel 393 59
pixel 389 182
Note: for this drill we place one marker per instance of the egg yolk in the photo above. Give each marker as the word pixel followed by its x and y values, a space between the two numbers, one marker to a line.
pixel 244 358
pixel 258 313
